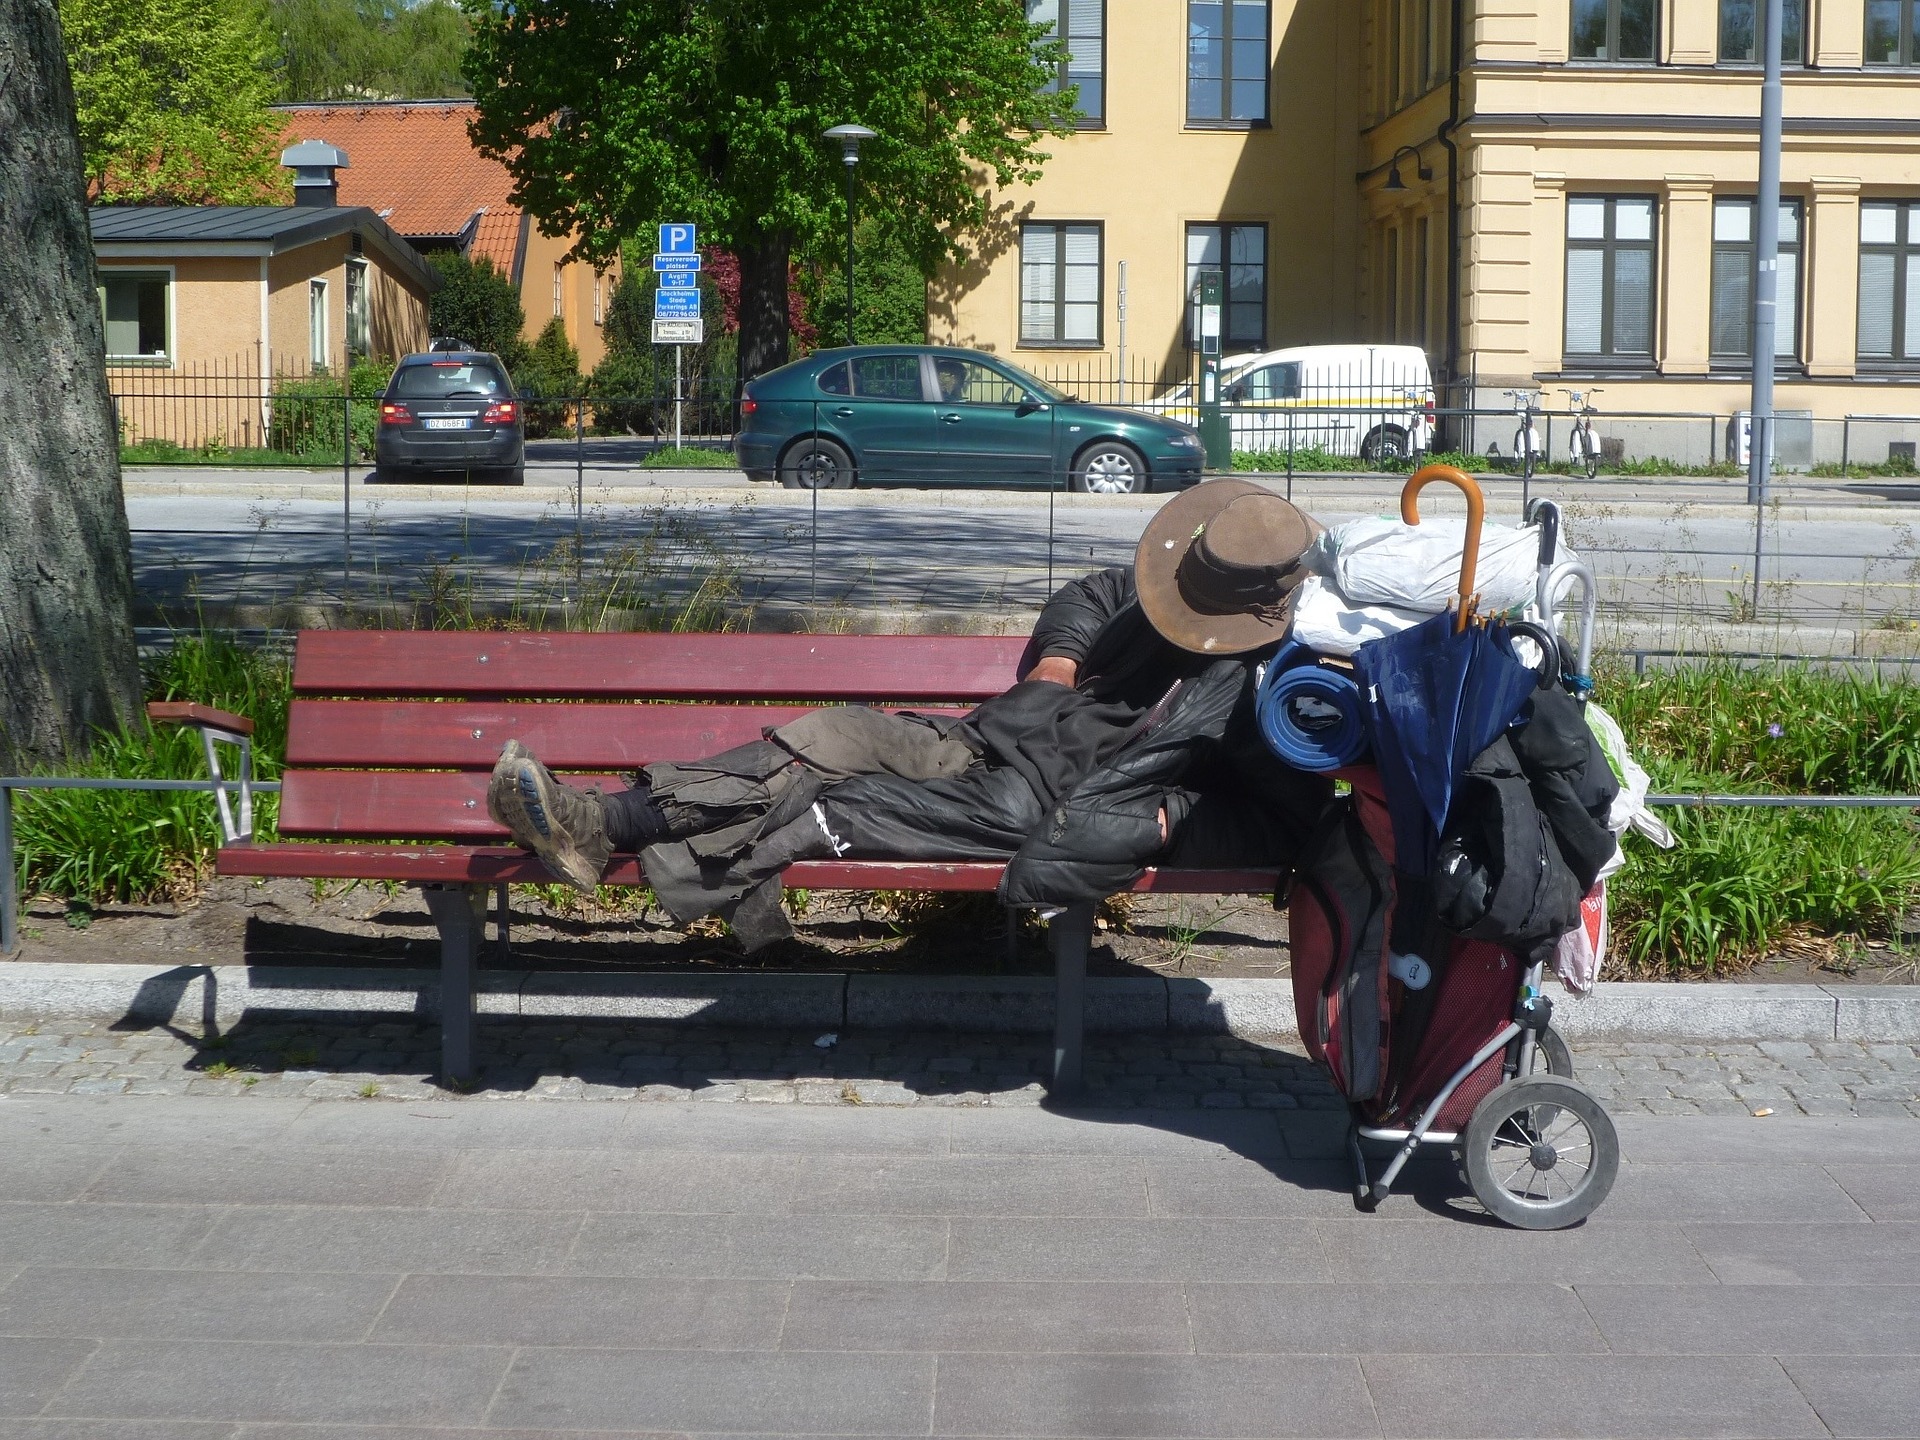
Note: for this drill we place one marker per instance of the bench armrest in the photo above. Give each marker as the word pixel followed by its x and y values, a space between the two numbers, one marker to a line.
pixel 191 712
pixel 217 728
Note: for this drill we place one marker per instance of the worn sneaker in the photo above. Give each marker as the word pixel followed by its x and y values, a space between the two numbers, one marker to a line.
pixel 566 828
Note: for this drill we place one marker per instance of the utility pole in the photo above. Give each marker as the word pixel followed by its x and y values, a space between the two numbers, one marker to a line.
pixel 1766 276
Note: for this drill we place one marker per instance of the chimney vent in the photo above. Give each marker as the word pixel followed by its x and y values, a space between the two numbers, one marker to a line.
pixel 313 163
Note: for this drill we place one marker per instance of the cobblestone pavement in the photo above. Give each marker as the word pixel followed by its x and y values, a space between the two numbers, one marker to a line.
pixel 627 1061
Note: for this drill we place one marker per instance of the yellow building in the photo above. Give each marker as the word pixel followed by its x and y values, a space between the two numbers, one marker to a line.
pixel 1570 206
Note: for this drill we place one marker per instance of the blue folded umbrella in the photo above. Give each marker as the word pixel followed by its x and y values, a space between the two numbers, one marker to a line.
pixel 1434 698
pixel 1310 712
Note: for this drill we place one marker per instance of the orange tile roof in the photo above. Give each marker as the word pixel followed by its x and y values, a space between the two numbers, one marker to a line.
pixel 412 163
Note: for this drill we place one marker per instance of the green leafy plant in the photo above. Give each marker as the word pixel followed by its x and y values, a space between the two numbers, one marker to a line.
pixel 688 457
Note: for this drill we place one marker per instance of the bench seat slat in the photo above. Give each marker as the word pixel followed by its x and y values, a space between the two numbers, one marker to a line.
pixel 468 734
pixel 389 804
pixel 463 864
pixel 905 668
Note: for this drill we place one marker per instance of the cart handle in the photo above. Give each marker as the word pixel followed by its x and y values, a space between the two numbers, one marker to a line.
pixel 1476 517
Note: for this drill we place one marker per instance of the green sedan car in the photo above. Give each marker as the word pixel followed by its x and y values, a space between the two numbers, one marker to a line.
pixel 931 415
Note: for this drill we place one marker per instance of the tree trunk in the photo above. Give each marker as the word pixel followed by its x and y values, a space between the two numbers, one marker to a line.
pixel 67 660
pixel 763 304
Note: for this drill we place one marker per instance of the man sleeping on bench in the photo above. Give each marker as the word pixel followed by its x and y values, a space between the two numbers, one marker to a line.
pixel 1129 739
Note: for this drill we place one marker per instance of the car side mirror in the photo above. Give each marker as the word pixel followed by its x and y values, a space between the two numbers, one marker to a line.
pixel 1028 406
pixel 1237 395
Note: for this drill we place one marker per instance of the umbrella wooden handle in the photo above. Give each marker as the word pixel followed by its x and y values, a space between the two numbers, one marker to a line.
pixel 1476 517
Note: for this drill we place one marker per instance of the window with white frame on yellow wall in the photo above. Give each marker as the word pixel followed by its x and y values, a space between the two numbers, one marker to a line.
pixel 136 307
pixel 1610 279
pixel 318 351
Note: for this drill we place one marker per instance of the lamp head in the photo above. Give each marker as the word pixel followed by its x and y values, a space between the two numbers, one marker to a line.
pixel 1394 182
pixel 850 137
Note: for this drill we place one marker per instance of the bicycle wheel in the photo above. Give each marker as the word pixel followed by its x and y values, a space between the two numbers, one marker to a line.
pixel 1541 1154
pixel 1586 451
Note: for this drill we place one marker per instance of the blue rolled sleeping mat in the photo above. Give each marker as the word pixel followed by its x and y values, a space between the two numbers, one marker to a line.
pixel 1308 709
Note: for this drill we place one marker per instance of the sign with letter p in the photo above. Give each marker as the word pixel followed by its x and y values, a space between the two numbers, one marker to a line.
pixel 676 239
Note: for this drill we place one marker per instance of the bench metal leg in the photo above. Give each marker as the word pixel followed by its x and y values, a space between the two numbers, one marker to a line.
pixel 502 926
pixel 1070 936
pixel 460 912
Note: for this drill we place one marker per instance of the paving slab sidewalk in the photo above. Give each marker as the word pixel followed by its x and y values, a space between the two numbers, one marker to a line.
pixel 227 1268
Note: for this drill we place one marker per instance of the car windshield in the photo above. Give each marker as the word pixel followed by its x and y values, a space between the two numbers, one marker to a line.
pixel 1033 382
pixel 450 380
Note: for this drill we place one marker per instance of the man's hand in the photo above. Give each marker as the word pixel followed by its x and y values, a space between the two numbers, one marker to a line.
pixel 1056 670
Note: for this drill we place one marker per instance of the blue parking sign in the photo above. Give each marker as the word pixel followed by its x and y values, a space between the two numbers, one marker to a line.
pixel 679 280
pixel 676 239
pixel 676 304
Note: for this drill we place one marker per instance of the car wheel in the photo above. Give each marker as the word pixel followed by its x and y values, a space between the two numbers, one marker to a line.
pixel 816 464
pixel 1109 467
pixel 514 475
pixel 1388 442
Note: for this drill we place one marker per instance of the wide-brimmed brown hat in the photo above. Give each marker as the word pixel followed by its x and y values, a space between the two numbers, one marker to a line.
pixel 1218 567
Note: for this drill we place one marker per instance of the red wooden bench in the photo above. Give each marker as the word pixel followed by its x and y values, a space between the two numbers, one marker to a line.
pixel 392 735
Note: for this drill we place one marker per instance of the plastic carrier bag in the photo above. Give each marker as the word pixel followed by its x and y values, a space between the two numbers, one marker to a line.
pixel 1381 561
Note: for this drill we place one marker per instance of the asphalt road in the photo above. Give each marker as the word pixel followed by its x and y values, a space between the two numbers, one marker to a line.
pixel 1676 554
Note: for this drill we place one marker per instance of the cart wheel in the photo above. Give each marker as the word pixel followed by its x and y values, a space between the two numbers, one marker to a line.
pixel 1550 1054
pixel 1541 1154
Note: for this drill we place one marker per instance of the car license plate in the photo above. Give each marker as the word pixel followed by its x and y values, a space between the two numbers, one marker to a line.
pixel 448 422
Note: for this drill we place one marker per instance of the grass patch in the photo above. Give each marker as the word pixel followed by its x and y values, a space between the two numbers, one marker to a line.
pixel 688 457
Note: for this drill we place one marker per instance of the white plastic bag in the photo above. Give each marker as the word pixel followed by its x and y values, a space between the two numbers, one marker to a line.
pixel 1380 561
pixel 1630 805
pixel 1577 956
pixel 1325 623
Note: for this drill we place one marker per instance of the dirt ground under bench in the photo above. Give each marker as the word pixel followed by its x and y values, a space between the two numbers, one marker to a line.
pixel 297 922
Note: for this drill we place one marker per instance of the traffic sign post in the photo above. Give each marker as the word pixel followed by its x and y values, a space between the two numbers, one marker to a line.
pixel 676 302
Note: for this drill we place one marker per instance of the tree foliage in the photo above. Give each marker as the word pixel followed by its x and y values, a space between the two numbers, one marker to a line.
pixel 611 113
pixel 478 305
pixel 171 98
pixel 889 291
pixel 371 49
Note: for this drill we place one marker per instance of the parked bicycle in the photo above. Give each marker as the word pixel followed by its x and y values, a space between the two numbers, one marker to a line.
pixel 1583 445
pixel 1527 451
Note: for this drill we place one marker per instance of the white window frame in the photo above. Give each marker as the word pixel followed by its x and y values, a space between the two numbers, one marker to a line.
pixel 559 289
pixel 319 351
pixel 167 357
pixel 359 315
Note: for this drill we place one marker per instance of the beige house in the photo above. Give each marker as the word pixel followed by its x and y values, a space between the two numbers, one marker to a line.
pixel 1568 206
pixel 207 305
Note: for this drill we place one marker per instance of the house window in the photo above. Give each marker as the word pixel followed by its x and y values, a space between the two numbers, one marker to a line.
pixel 1239 252
pixel 1893 32
pixel 1059 284
pixel 1740 31
pixel 134 306
pixel 1422 267
pixel 559 289
pixel 1227 62
pixel 1733 280
pixel 317 348
pixel 599 302
pixel 1085 67
pixel 1890 281
pixel 1610 291
pixel 359 325
pixel 1621 30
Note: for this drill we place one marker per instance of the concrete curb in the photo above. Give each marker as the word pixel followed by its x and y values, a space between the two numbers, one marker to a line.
pixel 1253 1009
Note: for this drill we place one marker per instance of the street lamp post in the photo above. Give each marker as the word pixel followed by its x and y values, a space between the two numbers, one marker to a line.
pixel 850 137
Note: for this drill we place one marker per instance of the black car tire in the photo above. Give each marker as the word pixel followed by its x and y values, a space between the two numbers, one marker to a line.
pixel 513 475
pixel 1386 442
pixel 815 463
pixel 1110 467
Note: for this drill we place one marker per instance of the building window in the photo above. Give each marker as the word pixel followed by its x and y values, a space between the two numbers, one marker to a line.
pixel 1733 280
pixel 359 323
pixel 599 301
pixel 1890 281
pixel 133 307
pixel 1610 291
pixel 317 348
pixel 1085 67
pixel 1620 30
pixel 1740 32
pixel 1893 32
pixel 1240 253
pixel 1422 270
pixel 559 289
pixel 1227 62
pixel 1060 284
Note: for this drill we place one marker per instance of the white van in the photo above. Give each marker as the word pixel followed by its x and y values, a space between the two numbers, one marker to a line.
pixel 1372 401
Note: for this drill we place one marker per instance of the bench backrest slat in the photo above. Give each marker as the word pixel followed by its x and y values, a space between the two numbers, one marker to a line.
pixel 556 665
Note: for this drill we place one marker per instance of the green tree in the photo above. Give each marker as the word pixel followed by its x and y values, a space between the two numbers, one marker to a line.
pixel 551 374
pixel 172 97
pixel 371 49
pixel 479 306
pixel 889 291
pixel 610 113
